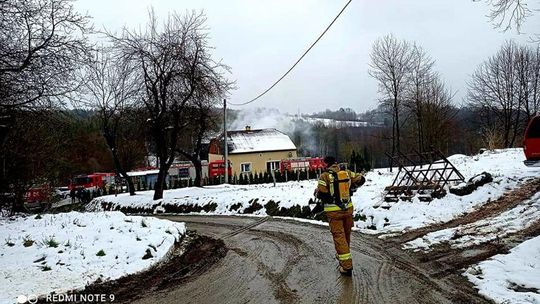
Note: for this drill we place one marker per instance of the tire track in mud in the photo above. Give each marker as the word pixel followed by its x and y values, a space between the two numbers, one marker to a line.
pixel 278 279
pixel 506 202
pixel 244 228
pixel 277 261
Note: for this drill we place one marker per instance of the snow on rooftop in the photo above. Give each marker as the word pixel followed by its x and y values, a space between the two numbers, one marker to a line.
pixel 247 141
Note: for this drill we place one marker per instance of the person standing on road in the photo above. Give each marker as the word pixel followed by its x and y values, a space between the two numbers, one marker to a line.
pixel 72 195
pixel 335 188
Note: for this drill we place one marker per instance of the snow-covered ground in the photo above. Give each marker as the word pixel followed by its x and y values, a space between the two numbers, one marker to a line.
pixel 66 251
pixel 483 231
pixel 510 278
pixel 225 196
pixel 506 166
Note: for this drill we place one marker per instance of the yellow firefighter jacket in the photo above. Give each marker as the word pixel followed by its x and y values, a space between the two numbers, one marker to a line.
pixel 325 187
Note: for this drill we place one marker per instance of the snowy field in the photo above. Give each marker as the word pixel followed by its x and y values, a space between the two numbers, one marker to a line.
pixel 510 278
pixel 67 251
pixel 506 166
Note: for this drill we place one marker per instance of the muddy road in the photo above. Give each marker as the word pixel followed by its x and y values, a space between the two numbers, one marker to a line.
pixel 280 261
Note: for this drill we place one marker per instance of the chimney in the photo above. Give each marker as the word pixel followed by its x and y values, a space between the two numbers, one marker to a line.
pixel 248 128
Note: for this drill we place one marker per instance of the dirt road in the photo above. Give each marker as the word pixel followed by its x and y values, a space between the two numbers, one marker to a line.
pixel 277 261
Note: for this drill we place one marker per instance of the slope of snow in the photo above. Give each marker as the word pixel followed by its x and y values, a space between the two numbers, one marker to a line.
pixel 287 194
pixel 486 230
pixel 62 252
pixel 510 278
pixel 506 166
pixel 507 169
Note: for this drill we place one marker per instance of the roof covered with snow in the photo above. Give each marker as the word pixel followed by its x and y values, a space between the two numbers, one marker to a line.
pixel 262 140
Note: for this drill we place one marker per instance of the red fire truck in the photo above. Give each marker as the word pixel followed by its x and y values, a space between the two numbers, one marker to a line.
pixel 217 168
pixel 302 163
pixel 37 197
pixel 531 143
pixel 92 181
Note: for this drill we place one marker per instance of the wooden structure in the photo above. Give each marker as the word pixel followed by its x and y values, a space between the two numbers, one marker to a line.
pixel 425 174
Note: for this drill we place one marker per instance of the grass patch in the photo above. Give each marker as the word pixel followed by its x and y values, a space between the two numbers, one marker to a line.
pixel 51 242
pixel 27 242
pixel 45 268
pixel 100 253
pixel 360 217
pixel 9 242
pixel 235 207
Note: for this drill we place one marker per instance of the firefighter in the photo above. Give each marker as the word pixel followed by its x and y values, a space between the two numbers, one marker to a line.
pixel 335 188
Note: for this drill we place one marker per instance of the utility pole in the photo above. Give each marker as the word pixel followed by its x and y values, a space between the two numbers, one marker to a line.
pixel 226 148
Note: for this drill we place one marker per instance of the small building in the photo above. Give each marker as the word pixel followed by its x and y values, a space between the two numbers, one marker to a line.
pixel 253 151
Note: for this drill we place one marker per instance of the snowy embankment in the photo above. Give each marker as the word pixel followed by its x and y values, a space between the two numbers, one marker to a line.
pixel 510 278
pixel 489 229
pixel 222 199
pixel 63 252
pixel 506 166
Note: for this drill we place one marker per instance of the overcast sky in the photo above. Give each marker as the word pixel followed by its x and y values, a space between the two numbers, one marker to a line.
pixel 261 39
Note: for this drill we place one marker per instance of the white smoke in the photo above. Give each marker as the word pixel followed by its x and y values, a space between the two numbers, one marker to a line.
pixel 264 118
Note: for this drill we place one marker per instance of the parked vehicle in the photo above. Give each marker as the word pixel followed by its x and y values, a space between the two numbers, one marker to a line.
pixel 92 181
pixel 37 197
pixel 217 168
pixel 301 164
pixel 531 143
pixel 62 192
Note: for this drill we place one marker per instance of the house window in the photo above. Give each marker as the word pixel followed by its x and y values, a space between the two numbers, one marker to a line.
pixel 272 165
pixel 245 167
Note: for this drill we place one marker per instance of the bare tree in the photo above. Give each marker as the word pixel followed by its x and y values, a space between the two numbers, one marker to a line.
pixel 175 64
pixel 391 65
pixel 501 86
pixel 417 92
pixel 111 88
pixel 532 78
pixel 204 119
pixel 42 43
pixel 506 14
pixel 437 114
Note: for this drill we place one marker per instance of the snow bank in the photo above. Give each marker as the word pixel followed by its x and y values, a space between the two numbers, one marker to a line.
pixel 62 252
pixel 483 231
pixel 506 167
pixel 225 196
pixel 510 278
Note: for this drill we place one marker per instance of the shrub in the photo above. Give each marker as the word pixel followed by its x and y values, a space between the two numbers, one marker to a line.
pixel 27 242
pixel 272 208
pixel 100 253
pixel 51 242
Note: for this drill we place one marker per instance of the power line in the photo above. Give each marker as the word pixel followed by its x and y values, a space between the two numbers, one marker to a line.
pixel 296 63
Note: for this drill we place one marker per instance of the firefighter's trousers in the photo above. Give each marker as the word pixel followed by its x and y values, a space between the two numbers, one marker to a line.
pixel 341 223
